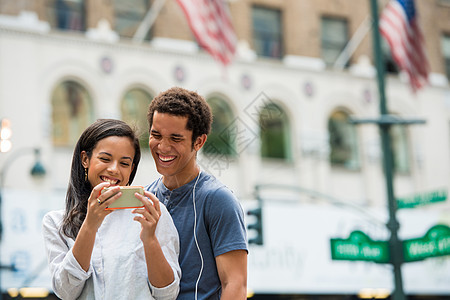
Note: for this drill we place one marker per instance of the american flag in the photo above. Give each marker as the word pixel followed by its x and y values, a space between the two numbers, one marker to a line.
pixel 210 22
pixel 399 26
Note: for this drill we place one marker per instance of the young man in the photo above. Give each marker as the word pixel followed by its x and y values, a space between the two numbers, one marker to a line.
pixel 208 217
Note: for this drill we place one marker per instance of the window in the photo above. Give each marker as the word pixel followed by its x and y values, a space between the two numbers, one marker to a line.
pixel 334 38
pixel 389 64
pixel 71 112
pixel 134 109
pixel 343 141
pixel 445 45
pixel 400 153
pixel 267 32
pixel 220 140
pixel 274 132
pixel 129 15
pixel 67 14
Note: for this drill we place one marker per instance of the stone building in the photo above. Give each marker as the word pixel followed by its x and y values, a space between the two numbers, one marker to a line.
pixel 281 113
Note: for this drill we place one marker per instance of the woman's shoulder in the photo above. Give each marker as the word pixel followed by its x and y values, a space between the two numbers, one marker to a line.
pixel 53 217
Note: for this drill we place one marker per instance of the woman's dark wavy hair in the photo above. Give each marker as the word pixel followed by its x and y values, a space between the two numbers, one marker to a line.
pixel 79 189
pixel 181 102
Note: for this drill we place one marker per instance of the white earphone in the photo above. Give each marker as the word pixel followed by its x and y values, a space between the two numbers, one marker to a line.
pixel 195 235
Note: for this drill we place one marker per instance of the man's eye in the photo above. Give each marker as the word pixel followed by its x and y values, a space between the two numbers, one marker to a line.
pixel 104 159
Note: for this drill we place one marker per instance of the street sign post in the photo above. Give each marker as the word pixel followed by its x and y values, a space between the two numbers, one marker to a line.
pixel 359 246
pixel 422 199
pixel 436 242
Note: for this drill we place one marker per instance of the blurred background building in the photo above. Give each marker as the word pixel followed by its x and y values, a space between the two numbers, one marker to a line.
pixel 281 135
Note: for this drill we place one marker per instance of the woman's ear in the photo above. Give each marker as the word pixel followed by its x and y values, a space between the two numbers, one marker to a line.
pixel 84 159
pixel 199 142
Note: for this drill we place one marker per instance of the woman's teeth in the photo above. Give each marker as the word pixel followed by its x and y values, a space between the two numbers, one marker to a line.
pixel 111 181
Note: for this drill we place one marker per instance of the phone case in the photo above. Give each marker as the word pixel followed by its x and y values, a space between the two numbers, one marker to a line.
pixel 127 200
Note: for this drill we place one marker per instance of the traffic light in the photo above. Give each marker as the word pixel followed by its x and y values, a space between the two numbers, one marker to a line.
pixel 5 135
pixel 257 226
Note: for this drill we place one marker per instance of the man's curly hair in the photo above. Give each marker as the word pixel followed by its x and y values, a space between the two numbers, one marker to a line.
pixel 181 102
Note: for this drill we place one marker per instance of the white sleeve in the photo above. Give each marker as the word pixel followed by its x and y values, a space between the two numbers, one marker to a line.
pixel 68 278
pixel 167 235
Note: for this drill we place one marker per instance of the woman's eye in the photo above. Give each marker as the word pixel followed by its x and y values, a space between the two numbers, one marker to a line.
pixel 125 164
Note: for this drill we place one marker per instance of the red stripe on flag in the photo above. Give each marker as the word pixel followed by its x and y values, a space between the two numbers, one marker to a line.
pixel 406 42
pixel 211 25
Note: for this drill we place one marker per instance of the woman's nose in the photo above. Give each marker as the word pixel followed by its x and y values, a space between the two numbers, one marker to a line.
pixel 113 167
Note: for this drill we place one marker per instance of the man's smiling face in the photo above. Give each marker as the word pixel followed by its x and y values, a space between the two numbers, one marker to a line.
pixel 171 146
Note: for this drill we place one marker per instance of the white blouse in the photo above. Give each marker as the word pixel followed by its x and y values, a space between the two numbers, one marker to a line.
pixel 118 269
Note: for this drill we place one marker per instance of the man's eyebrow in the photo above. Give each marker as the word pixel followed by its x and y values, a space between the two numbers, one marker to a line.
pixel 177 135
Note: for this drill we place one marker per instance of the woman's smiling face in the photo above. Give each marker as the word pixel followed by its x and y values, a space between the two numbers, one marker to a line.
pixel 111 161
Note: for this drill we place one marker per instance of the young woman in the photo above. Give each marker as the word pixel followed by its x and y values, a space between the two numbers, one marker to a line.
pixel 95 253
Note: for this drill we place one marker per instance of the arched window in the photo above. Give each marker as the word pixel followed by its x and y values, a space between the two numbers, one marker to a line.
pixel 220 139
pixel 343 141
pixel 400 149
pixel 274 132
pixel 71 112
pixel 134 109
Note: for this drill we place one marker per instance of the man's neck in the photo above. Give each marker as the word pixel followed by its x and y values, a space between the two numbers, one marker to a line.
pixel 176 181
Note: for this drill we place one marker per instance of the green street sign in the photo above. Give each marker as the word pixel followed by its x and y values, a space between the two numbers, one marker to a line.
pixel 422 199
pixel 359 246
pixel 436 242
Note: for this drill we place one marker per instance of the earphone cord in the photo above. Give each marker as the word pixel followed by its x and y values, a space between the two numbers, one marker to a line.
pixel 195 235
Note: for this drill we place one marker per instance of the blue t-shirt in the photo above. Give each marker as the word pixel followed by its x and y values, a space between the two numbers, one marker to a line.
pixel 219 228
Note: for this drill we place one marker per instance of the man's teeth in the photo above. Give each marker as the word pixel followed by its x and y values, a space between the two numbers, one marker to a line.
pixel 166 158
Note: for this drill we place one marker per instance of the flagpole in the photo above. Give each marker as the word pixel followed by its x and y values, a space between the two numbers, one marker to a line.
pixel 354 42
pixel 395 244
pixel 148 21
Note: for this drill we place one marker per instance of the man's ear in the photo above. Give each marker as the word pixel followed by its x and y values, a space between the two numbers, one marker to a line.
pixel 84 159
pixel 199 142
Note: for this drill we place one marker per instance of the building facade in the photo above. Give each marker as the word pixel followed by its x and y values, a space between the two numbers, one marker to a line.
pixel 281 113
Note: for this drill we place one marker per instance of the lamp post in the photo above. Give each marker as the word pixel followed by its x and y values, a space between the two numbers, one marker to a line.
pixel 36 171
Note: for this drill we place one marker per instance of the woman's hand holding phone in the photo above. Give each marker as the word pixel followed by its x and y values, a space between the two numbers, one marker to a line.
pixel 149 215
pixel 97 204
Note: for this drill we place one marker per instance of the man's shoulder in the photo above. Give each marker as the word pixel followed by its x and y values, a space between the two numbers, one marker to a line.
pixel 213 186
pixel 216 194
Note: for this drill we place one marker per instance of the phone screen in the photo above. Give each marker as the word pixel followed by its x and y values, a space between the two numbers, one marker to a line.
pixel 127 200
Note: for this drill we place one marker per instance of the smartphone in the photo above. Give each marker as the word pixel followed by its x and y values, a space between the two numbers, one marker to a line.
pixel 127 200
